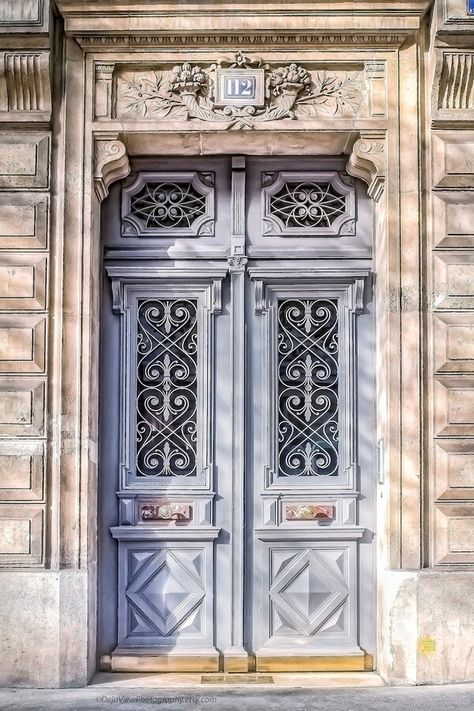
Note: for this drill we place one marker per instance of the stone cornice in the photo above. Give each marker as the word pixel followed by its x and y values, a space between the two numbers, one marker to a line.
pixel 139 24
pixel 232 39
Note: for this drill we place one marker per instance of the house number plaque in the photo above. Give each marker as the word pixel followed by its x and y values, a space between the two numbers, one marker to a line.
pixel 240 87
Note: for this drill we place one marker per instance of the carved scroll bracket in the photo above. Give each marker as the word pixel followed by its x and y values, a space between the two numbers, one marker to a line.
pixel 111 163
pixel 367 161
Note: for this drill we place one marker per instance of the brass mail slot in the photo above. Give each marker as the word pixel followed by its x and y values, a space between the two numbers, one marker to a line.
pixel 166 512
pixel 309 512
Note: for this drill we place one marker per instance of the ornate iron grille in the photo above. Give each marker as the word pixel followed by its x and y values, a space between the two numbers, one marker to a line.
pixel 307 204
pixel 168 205
pixel 308 375
pixel 167 361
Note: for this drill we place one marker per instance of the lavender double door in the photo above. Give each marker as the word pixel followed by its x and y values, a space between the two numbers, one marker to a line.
pixel 236 512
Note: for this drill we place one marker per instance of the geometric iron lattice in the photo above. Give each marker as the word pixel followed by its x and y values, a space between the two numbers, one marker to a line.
pixel 167 362
pixel 308 378
pixel 307 204
pixel 169 205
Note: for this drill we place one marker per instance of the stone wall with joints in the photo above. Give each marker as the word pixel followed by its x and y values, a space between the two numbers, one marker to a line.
pixel 449 350
pixel 29 590
pixel 107 66
pixel 451 274
pixel 25 152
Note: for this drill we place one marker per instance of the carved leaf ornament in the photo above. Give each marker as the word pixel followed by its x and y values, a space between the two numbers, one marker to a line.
pixel 187 92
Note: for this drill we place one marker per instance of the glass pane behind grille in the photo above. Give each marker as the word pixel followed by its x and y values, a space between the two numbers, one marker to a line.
pixel 308 384
pixel 166 430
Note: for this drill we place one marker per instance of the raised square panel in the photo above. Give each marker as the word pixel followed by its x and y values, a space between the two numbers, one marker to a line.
pixel 453 219
pixel 22 343
pixel 311 602
pixel 454 469
pixel 22 470
pixel 165 597
pixel 21 535
pixel 22 405
pixel 453 159
pixel 23 221
pixel 454 406
pixel 453 342
pixel 454 280
pixel 22 282
pixel 24 161
pixel 454 534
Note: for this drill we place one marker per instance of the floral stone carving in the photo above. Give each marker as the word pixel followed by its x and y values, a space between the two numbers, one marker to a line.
pixel 187 91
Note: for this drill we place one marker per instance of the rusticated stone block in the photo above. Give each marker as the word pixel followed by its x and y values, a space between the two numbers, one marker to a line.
pixel 24 161
pixel 23 221
pixel 454 469
pixel 22 282
pixel 22 343
pixel 21 535
pixel 22 406
pixel 22 470
pixel 24 15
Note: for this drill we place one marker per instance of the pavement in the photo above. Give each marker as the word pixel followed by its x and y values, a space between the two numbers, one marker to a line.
pixel 328 696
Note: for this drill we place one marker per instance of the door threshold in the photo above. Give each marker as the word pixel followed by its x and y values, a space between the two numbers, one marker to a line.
pixel 174 680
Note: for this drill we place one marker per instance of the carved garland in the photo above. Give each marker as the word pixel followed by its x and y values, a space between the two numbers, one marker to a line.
pixel 187 92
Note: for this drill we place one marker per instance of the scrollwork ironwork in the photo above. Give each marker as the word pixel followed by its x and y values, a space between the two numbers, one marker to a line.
pixel 308 378
pixel 167 356
pixel 307 204
pixel 168 205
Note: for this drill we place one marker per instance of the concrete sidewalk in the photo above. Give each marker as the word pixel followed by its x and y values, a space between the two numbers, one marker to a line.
pixel 258 697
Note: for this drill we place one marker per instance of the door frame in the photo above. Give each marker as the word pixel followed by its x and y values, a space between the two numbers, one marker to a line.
pixel 235 657
pixel 382 156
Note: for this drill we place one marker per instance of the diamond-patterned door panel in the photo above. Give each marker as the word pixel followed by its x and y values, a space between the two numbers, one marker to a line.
pixel 164 594
pixel 312 593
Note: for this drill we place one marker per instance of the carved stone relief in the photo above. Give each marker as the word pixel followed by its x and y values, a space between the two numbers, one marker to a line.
pixel 453 90
pixel 457 81
pixel 292 91
pixel 367 161
pixel 25 86
pixel 110 163
pixel 240 39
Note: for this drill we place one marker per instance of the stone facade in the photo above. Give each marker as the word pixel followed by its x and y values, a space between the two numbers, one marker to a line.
pixel 79 96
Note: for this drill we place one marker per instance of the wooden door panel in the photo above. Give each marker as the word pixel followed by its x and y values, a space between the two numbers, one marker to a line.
pixel 237 460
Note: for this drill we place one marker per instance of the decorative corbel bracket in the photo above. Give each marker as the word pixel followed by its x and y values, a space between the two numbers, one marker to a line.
pixel 110 163
pixel 367 161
